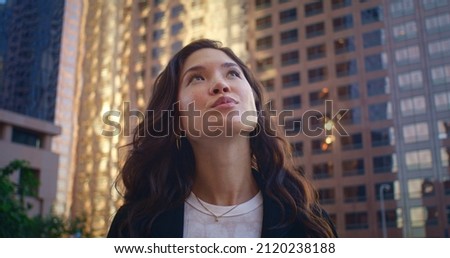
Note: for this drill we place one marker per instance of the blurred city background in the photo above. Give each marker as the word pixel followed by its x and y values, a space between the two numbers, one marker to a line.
pixel 63 64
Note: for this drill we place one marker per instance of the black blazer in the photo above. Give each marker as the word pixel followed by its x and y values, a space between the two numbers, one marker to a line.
pixel 170 223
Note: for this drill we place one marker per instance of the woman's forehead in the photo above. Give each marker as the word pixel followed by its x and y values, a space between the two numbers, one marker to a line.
pixel 207 56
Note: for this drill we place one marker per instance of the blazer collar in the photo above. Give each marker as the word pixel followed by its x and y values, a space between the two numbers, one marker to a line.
pixel 170 224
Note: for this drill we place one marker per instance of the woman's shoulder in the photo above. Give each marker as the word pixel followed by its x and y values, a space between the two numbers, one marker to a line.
pixel 117 225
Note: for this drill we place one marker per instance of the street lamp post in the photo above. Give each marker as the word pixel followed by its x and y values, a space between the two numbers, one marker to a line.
pixel 383 187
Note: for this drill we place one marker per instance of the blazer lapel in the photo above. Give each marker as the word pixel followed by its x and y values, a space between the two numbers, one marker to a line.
pixel 271 219
pixel 169 224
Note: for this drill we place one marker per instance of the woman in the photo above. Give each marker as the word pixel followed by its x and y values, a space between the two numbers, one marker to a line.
pixel 213 166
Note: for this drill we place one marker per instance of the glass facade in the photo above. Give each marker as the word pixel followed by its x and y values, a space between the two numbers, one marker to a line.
pixel 29 60
pixel 389 77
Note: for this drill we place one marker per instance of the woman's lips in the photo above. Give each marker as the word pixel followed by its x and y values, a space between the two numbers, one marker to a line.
pixel 224 102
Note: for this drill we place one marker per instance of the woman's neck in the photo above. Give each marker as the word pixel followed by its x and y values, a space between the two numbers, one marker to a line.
pixel 223 174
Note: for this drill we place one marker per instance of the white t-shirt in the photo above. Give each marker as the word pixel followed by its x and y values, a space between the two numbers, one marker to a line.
pixel 243 221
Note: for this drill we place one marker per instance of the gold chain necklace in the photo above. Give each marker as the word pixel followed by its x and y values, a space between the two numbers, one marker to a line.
pixel 212 213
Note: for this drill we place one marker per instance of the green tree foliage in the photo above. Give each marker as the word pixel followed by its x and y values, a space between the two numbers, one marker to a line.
pixel 14 219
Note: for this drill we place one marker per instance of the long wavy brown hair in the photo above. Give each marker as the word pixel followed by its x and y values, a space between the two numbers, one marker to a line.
pixel 158 176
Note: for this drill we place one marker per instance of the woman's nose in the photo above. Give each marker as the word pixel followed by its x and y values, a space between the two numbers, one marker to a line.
pixel 219 86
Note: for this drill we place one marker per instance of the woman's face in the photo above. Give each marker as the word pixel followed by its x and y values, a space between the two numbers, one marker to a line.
pixel 215 98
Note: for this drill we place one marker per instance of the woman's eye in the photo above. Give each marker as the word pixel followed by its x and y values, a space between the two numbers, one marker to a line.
pixel 195 78
pixel 234 74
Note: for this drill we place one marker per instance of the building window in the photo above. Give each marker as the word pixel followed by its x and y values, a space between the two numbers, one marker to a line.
pixel 344 45
pixel 315 30
pixel 388 193
pixel 197 22
pixel 261 4
pixel 353 167
pixel 371 15
pixel 432 216
pixel 27 137
pixel 445 157
pixel 356 220
pixel 438 24
pixel 407 55
pixel 416 132
pixel 264 64
pixel 413 106
pixel 317 74
pixel 348 91
pixel 446 184
pixel 393 218
pixel 373 38
pixel 442 101
pixel 320 146
pixel 197 3
pixel 355 193
pixel 176 28
pixel 417 160
pixel 443 129
pixel 158 34
pixel 264 22
pixel 326 195
pixel 316 52
pixel 318 97
pixel 288 15
pixel 176 11
pixel 380 111
pixel 264 43
pixel 382 137
pixel 297 149
pixel 292 102
pixel 290 80
pixel 420 188
pixel 440 75
pixel 410 80
pixel 322 170
pixel 401 7
pixel 405 31
pixel 418 216
pixel 176 46
pixel 352 117
pixel 378 86
pixel 439 48
pixel 347 68
pixel 158 17
pixel 375 62
pixel 289 36
pixel 290 58
pixel 336 4
pixel 293 126
pixel 157 52
pixel 269 84
pixel 155 70
pixel 343 23
pixel 352 142
pixel 430 4
pixel 313 8
pixel 384 164
pixel 157 2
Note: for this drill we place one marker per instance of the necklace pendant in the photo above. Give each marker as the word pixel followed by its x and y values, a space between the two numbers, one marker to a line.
pixel 217 219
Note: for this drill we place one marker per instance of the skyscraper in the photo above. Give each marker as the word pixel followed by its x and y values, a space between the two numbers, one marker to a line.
pixel 123 47
pixel 384 63
pixel 102 85
pixel 30 40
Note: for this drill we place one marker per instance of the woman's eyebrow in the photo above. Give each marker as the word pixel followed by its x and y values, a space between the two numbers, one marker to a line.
pixel 228 65
pixel 193 68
